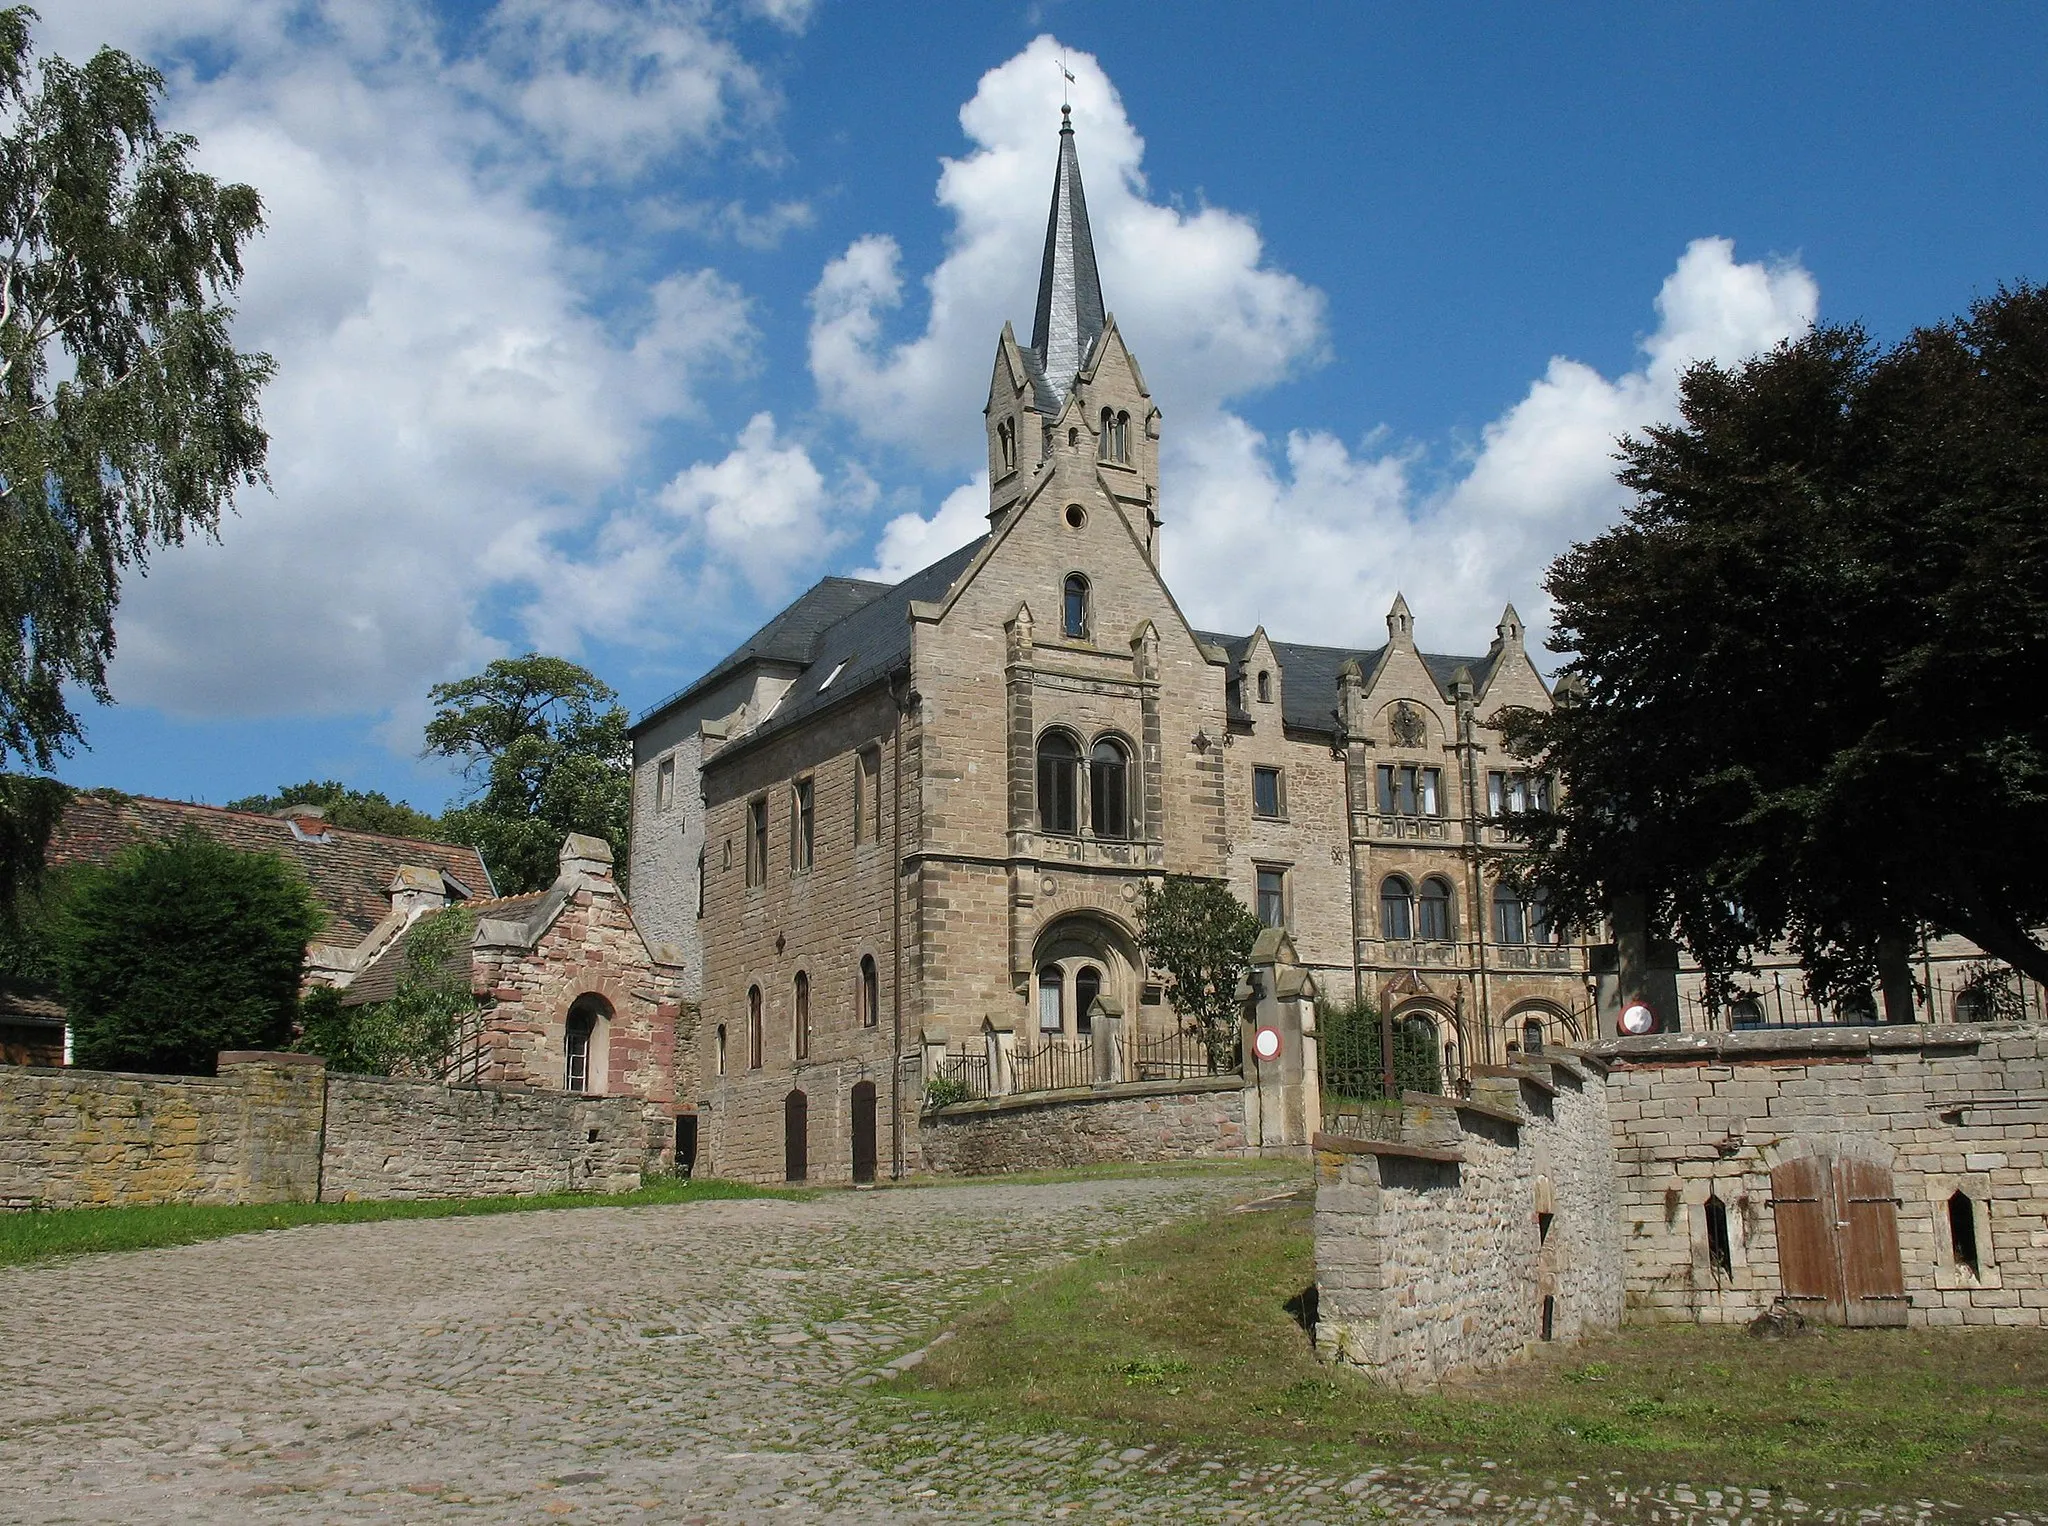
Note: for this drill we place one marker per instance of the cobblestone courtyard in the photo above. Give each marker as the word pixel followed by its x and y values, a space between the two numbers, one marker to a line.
pixel 688 1363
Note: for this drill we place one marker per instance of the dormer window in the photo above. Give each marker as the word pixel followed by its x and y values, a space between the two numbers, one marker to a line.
pixel 1074 608
pixel 829 677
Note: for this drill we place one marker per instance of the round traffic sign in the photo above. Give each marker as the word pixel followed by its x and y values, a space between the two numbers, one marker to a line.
pixel 1266 1043
pixel 1636 1017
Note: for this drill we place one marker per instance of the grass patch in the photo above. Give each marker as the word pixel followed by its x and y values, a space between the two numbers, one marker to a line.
pixel 1193 1336
pixel 1221 1165
pixel 38 1235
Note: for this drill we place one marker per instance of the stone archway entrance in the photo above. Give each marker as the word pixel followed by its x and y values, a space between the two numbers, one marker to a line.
pixel 1078 960
pixel 1838 1240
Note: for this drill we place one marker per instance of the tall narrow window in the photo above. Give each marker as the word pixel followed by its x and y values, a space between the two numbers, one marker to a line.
pixel 1265 688
pixel 1123 438
pixel 1508 924
pixel 1006 444
pixel 1059 767
pixel 757 840
pixel 1540 928
pixel 665 784
pixel 801 1000
pixel 870 992
pixel 801 837
pixel 700 883
pixel 1433 911
pixel 1109 789
pixel 1272 897
pixel 719 1056
pixel 753 1027
pixel 1106 445
pixel 1049 986
pixel 867 795
pixel 576 1049
pixel 1532 1035
pixel 1087 986
pixel 1720 1249
pixel 1267 799
pixel 1074 608
pixel 1962 1233
pixel 1395 905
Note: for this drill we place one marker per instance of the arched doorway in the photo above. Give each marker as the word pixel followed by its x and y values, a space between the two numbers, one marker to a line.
pixel 1078 960
pixel 796 1137
pixel 864 1131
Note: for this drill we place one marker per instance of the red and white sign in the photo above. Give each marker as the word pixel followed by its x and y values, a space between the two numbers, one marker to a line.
pixel 1637 1017
pixel 1266 1043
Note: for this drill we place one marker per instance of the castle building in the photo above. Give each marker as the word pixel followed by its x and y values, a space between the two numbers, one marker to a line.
pixel 901 815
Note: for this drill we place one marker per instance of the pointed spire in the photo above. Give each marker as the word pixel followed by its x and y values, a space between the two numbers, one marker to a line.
pixel 1400 623
pixel 1070 312
pixel 1510 628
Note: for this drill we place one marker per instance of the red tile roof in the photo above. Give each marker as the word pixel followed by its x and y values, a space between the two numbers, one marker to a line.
pixel 350 872
pixel 378 980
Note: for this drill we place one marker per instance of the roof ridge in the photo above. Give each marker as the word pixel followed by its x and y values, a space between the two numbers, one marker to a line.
pixel 270 816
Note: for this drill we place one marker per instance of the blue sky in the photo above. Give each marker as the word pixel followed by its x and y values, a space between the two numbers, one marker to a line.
pixel 605 328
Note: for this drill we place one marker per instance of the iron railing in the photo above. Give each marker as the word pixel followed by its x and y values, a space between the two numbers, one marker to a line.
pixel 1979 992
pixel 969 1069
pixel 1184 1052
pixel 1057 1064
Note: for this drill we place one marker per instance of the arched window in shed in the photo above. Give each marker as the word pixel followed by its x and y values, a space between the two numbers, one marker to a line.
pixel 1059 768
pixel 1074 608
pixel 1109 789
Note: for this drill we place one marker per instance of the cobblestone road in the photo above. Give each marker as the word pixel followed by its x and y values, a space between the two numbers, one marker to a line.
pixel 683 1364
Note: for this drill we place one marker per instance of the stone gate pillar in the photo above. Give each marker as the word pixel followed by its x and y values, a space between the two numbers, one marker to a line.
pixel 1283 1091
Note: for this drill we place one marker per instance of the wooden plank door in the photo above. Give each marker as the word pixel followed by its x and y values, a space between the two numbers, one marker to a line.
pixel 1808 1268
pixel 1867 1242
pixel 864 1131
pixel 796 1137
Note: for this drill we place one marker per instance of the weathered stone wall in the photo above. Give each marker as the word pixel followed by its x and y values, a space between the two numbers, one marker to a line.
pixel 1486 1227
pixel 1944 1109
pixel 94 1138
pixel 277 1128
pixel 415 1139
pixel 1036 1131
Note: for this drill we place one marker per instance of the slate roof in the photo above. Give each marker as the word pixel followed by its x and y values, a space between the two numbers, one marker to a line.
pixel 378 980
pixel 1069 317
pixel 350 872
pixel 1308 688
pixel 790 637
pixel 873 641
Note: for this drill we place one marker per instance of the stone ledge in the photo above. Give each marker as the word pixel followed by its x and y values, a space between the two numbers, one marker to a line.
pixel 229 1057
pixel 1343 1144
pixel 1516 1073
pixel 982 1107
pixel 1778 1043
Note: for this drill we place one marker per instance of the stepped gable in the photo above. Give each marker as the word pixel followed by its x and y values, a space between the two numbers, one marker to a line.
pixel 1309 696
pixel 350 872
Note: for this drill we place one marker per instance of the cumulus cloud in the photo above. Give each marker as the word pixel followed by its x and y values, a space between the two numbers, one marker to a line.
pixel 1212 319
pixel 452 419
pixel 911 541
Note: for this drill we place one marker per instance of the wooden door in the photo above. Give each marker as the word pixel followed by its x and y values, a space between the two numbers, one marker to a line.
pixel 1838 1241
pixel 796 1137
pixel 864 1131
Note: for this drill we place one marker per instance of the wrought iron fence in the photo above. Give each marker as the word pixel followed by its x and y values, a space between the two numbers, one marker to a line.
pixel 1057 1063
pixel 968 1072
pixel 1979 992
pixel 1352 1072
pixel 1184 1052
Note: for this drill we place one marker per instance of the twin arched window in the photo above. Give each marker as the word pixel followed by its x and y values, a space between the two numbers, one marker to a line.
pixel 1405 914
pixel 1116 437
pixel 1059 787
pixel 1074 608
pixel 1517 921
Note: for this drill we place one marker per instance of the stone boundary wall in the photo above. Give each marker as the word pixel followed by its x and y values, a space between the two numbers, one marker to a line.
pixel 277 1128
pixel 1486 1227
pixel 1944 1109
pixel 1128 1121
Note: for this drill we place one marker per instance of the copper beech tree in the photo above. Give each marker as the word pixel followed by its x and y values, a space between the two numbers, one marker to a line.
pixel 1801 704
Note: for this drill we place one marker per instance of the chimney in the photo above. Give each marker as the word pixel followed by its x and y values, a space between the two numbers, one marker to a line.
pixel 586 858
pixel 308 822
pixel 415 890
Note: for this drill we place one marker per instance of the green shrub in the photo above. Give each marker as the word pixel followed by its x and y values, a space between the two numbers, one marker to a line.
pixel 412 1033
pixel 180 949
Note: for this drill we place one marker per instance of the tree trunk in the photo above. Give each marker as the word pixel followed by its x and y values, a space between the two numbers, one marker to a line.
pixel 1895 979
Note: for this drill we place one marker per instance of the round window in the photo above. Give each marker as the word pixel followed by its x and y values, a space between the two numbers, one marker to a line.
pixel 1076 515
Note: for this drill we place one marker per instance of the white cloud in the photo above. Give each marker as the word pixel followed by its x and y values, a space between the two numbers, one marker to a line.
pixel 449 412
pixel 910 541
pixel 1208 317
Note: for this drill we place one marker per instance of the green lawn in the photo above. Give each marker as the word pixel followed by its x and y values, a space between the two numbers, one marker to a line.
pixel 1190 1336
pixel 34 1236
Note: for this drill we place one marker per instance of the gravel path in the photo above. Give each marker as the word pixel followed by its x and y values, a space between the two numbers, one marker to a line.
pixel 690 1363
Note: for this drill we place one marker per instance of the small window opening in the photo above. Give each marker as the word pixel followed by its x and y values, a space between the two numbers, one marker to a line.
pixel 802 1006
pixel 721 1049
pixel 1073 437
pixel 839 668
pixel 1265 688
pixel 1720 1251
pixel 1076 515
pixel 1074 608
pixel 576 1043
pixel 1543 1223
pixel 870 992
pixel 1532 1036
pixel 1962 1232
pixel 1549 1316
pixel 1006 443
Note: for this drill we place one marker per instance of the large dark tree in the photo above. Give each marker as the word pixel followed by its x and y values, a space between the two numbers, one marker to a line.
pixel 127 417
pixel 546 750
pixel 180 949
pixel 1803 662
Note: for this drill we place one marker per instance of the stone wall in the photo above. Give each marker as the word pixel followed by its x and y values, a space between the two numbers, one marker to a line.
pixel 1134 1121
pixel 277 1128
pixel 415 1139
pixel 1944 1110
pixel 1485 1227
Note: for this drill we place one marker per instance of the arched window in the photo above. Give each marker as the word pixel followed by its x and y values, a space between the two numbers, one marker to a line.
pixel 1433 911
pixel 1049 990
pixel 1087 986
pixel 1123 438
pixel 1962 1233
pixel 1265 688
pixel 582 1046
pixel 721 1049
pixel 1508 923
pixel 1396 903
pixel 1073 437
pixel 1109 789
pixel 1745 1012
pixel 1973 1004
pixel 1074 608
pixel 1105 447
pixel 1720 1249
pixel 1006 443
pixel 1540 928
pixel 801 1002
pixel 870 992
pixel 1532 1035
pixel 1059 767
pixel 1450 1060
pixel 753 1027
